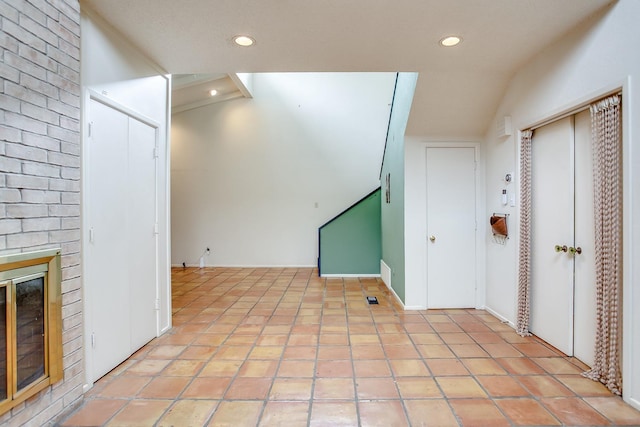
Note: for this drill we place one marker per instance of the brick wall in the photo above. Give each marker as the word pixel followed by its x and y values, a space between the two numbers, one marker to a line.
pixel 40 168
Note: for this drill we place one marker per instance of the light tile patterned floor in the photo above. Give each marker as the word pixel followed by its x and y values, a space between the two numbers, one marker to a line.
pixel 282 347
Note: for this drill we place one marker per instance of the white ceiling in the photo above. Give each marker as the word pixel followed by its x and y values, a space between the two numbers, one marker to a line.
pixel 458 89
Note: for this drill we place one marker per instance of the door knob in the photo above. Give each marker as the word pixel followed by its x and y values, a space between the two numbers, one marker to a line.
pixel 574 251
pixel 562 248
pixel 432 238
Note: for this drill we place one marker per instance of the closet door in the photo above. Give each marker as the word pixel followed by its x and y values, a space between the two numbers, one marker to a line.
pixel 552 224
pixel 106 265
pixel 121 274
pixel 563 307
pixel 585 270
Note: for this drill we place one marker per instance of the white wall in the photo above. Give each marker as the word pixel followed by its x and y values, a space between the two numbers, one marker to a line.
pixel 253 179
pixel 117 71
pixel 600 56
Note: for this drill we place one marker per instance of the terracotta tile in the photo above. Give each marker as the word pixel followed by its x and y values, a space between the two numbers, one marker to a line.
pixel 371 368
pixel 237 414
pixel 363 339
pixel 573 411
pixel 258 368
pixel 334 339
pixel 615 409
pixel 446 327
pixel 210 339
pixel 544 386
pixel 328 414
pixel 300 339
pixel 148 367
pixel 400 352
pixel 387 413
pixel 396 339
pixel 296 368
pixel 502 349
pixel 198 352
pixel 291 389
pixel 188 413
pixel 526 412
pixel 502 386
pixel 285 414
pixel 220 368
pixel 520 366
pixel 431 351
pixel 486 337
pixel 430 413
pixel 140 413
pixel 278 340
pixel 334 368
pixel 94 413
pixel 483 367
pixel 418 328
pixel 409 368
pixel 557 365
pixel 164 388
pixel 468 350
pixel 333 352
pixel 207 388
pixel 124 386
pixel 376 388
pixel 166 351
pixel 334 388
pixel 183 368
pixel 426 338
pixel 233 352
pixel 300 353
pixel 460 387
pixel 456 338
pixel 248 388
pixel 266 353
pixel 240 340
pixel 583 386
pixel 534 349
pixel 360 352
pixel 418 388
pixel 478 413
pixel 444 367
pixel 177 339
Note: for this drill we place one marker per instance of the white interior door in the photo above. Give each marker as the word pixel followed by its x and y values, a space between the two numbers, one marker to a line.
pixel 563 282
pixel 121 264
pixel 106 264
pixel 451 227
pixel 142 214
pixel 585 271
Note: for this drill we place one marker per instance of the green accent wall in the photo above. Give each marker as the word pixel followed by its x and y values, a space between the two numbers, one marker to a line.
pixel 351 242
pixel 392 214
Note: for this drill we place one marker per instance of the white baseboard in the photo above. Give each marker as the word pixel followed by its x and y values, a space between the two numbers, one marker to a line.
pixel 350 275
pixel 246 266
pixel 499 316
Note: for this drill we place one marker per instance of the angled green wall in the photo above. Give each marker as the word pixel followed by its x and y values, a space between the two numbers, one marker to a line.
pixel 351 242
pixel 392 213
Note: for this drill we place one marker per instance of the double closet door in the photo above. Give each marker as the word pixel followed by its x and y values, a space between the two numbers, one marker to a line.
pixel 121 251
pixel 563 296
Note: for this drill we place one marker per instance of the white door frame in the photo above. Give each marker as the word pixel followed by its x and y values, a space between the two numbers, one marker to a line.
pixel 90 95
pixel 416 237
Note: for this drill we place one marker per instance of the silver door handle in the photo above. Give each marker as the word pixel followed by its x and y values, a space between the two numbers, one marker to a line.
pixel 432 238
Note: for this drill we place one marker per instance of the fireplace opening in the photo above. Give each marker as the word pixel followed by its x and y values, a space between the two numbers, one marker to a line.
pixel 30 325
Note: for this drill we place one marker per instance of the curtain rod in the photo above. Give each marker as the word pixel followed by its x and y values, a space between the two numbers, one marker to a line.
pixel 575 111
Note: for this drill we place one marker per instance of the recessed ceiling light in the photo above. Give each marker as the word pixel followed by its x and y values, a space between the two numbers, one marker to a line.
pixel 213 92
pixel 244 41
pixel 450 41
